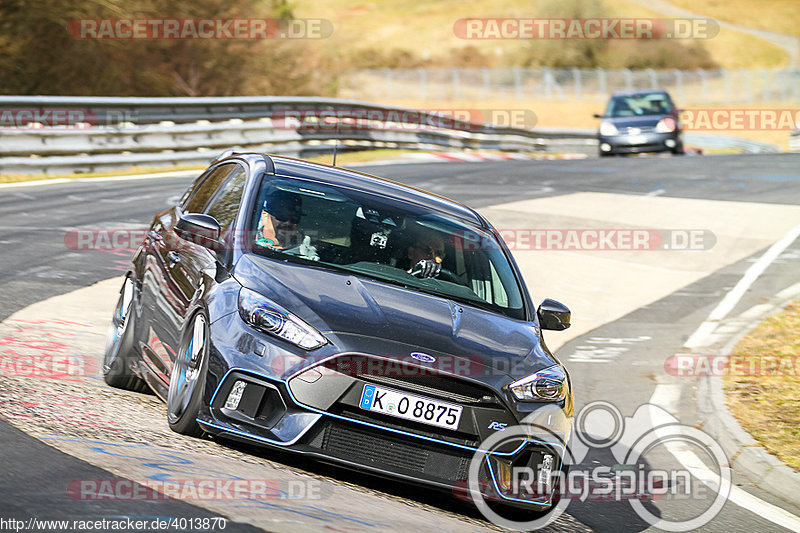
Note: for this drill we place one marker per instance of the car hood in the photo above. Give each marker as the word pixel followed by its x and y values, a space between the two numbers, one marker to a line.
pixel 647 121
pixel 361 315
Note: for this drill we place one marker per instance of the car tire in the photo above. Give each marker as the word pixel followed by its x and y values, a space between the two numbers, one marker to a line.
pixel 121 344
pixel 604 154
pixel 188 378
pixel 678 150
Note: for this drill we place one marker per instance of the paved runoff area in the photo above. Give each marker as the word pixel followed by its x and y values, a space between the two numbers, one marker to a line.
pixel 640 249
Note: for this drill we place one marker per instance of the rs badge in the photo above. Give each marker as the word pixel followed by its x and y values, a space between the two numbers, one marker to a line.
pixel 497 426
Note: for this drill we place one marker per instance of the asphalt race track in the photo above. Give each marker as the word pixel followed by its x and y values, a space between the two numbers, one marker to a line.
pixel 632 310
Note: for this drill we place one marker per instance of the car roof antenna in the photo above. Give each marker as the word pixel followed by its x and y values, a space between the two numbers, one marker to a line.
pixel 335 147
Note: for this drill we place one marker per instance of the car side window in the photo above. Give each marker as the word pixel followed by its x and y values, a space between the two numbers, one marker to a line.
pixel 225 204
pixel 200 197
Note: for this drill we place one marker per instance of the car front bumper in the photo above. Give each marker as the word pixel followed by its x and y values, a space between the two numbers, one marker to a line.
pixel 322 419
pixel 639 143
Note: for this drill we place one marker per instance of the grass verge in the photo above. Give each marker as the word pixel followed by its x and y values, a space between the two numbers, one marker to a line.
pixel 763 386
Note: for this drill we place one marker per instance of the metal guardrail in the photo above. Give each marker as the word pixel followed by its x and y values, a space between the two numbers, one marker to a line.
pixel 794 141
pixel 118 132
pixel 108 133
pixel 723 142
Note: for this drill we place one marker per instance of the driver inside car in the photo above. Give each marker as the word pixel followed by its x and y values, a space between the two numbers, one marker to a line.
pixel 426 255
pixel 278 225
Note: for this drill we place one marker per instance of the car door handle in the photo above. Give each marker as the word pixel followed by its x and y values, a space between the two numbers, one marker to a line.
pixel 174 258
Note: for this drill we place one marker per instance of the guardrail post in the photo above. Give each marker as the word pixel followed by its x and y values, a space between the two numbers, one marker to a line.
pixel 576 80
pixel 703 85
pixel 387 76
pixel 423 83
pixel 748 85
pixel 518 82
pixel 679 85
pixel 726 83
pixel 487 83
pixel 548 91
pixel 783 83
pixel 653 78
pixel 456 82
pixel 602 84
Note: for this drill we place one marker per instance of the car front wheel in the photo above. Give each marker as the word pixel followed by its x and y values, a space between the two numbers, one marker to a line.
pixel 188 378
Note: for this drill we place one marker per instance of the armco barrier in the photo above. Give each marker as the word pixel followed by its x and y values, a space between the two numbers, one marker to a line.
pixel 118 132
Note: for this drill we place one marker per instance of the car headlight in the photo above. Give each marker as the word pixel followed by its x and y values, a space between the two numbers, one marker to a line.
pixel 666 125
pixel 269 317
pixel 548 385
pixel 607 128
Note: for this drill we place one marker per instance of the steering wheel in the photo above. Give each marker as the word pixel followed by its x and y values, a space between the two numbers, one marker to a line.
pixel 446 275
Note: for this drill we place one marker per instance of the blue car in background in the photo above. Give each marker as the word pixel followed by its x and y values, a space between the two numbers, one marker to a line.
pixel 639 122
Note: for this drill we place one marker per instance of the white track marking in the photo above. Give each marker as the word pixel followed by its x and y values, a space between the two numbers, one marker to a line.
pixel 700 337
pixel 668 395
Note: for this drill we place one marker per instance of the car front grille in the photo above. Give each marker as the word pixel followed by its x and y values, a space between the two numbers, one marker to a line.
pixel 643 129
pixel 369 447
pixel 420 380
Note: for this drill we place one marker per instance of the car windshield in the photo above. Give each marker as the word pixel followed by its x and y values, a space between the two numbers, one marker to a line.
pixel 639 105
pixel 384 239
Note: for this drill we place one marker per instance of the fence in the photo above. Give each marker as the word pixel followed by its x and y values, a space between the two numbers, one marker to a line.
pixel 688 87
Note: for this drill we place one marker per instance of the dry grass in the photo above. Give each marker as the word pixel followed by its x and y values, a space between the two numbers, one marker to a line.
pixel 780 16
pixel 425 29
pixel 768 405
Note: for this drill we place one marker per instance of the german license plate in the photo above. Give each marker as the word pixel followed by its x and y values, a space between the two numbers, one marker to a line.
pixel 410 407
pixel 637 139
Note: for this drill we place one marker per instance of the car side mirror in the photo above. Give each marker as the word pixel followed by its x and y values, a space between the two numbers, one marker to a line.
pixel 553 315
pixel 200 229
pixel 597 115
